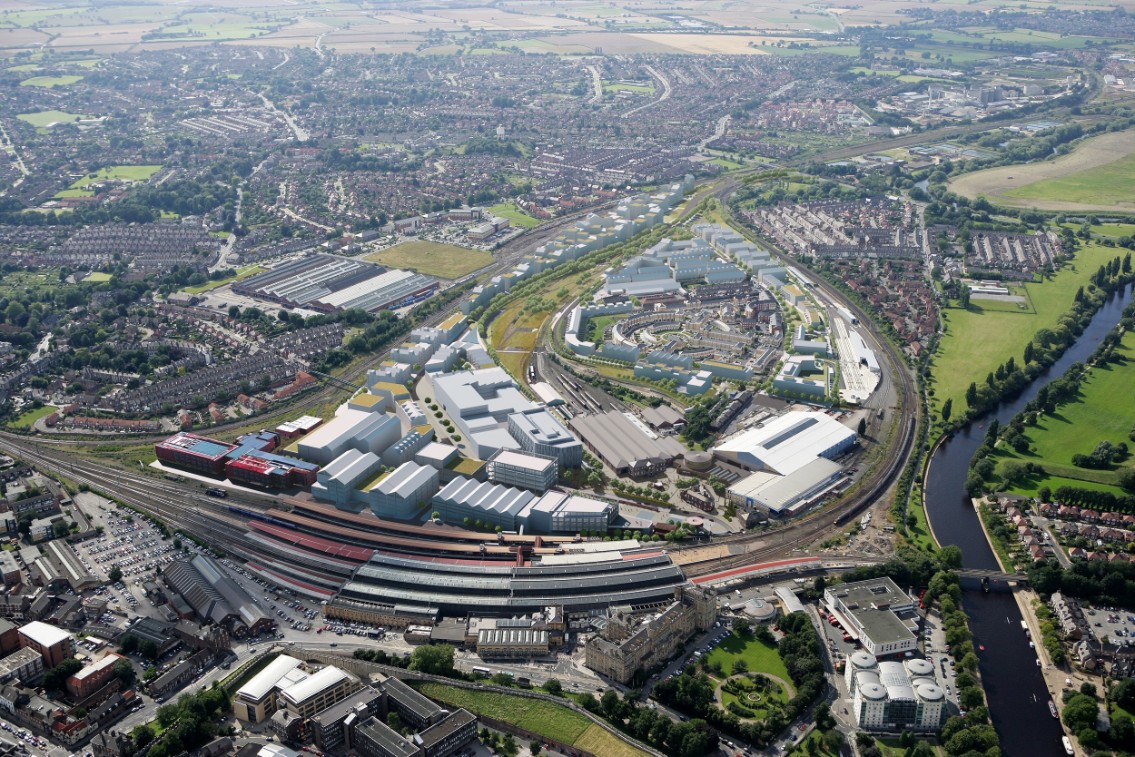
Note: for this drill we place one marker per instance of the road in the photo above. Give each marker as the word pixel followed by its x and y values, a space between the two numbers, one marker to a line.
pixel 7 145
pixel 596 86
pixel 298 132
pixel 666 92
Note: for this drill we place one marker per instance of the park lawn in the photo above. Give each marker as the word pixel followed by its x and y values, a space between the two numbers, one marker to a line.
pixel 537 715
pixel 598 740
pixel 50 82
pixel 26 419
pixel 978 340
pixel 65 193
pixel 643 89
pixel 760 657
pixel 813 746
pixel 515 215
pixel 45 118
pixel 118 173
pixel 97 277
pixel 446 261
pixel 726 163
pixel 1108 185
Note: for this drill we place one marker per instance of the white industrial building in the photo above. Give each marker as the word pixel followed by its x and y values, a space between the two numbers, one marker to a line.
pixel 787 443
pixel 339 481
pixel 894 696
pixel 786 495
pixel 492 504
pixel 559 513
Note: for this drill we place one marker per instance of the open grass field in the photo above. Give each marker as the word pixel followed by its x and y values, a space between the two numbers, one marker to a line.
pixel 98 277
pixel 50 82
pixel 515 215
pixel 241 275
pixel 1104 411
pixel 25 419
pixel 1095 176
pixel 760 657
pixel 536 715
pixel 978 340
pixel 446 261
pixel 598 740
pixel 45 118
pixel 122 173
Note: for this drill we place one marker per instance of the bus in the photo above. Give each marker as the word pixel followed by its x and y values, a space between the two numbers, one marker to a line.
pixel 482 672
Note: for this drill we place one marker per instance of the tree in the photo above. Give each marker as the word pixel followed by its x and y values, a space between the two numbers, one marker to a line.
pixel 60 528
pixel 115 574
pixel 554 687
pixel 124 672
pixel 742 627
pixel 55 678
pixel 861 429
pixel 433 659
pixel 971 394
pixel 1081 712
pixel 947 410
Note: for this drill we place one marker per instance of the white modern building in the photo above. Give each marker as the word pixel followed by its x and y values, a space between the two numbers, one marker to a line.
pixel 877 613
pixel 339 481
pixel 524 470
pixel 350 429
pixel 895 696
pixel 538 432
pixel 492 504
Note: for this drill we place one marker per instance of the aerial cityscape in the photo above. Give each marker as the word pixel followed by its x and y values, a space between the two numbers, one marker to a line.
pixel 596 378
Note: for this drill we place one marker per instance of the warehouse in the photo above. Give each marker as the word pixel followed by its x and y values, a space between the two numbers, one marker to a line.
pixel 786 495
pixel 559 513
pixel 787 443
pixel 215 597
pixel 623 445
pixel 402 492
pixel 338 482
pixel 331 283
pixel 491 504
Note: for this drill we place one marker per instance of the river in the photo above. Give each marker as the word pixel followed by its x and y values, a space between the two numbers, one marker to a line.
pixel 1018 697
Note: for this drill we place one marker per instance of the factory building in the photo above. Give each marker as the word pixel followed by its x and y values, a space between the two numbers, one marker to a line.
pixel 361 430
pixel 339 481
pixel 787 443
pixel 878 614
pixel 491 504
pixel 626 444
pixel 895 696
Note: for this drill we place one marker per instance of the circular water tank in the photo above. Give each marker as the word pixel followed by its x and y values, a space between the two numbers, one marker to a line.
pixel 919 667
pixel 698 460
pixel 760 610
pixel 863 660
pixel 928 692
pixel 873 691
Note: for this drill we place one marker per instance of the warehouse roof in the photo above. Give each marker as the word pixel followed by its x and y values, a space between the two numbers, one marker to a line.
pixel 620 442
pixel 788 442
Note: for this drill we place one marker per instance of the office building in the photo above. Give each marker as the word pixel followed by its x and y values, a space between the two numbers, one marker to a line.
pixel 878 614
pixel 538 431
pixel 524 470
pixel 256 701
pixel 53 643
pixel 894 696
pixel 317 692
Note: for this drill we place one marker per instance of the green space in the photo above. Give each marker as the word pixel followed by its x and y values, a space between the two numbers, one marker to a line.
pixel 1114 230
pixel 25 68
pixel 1105 185
pixel 241 274
pixel 758 656
pixel 26 419
pixel 598 740
pixel 50 82
pixel 98 277
pixel 119 173
pixel 515 215
pixel 753 696
pixel 1104 410
pixel 537 715
pixel 641 89
pixel 446 261
pixel 977 339
pixel 726 163
pixel 45 118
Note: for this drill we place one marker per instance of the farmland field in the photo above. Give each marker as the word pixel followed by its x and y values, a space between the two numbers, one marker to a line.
pixel 1094 176
pixel 446 261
